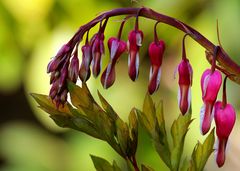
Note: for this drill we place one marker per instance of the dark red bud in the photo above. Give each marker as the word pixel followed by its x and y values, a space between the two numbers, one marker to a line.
pixel 135 38
pixel 155 52
pixel 84 72
pixel 97 52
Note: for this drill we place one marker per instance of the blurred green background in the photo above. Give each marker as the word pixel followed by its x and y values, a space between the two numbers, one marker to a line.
pixel 32 31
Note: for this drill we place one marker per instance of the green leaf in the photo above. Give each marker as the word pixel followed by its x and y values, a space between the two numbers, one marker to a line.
pixel 108 108
pixel 85 125
pixel 202 152
pixel 46 104
pixel 133 132
pixel 115 166
pixel 103 165
pixel 149 113
pixel 161 141
pixel 146 168
pixel 81 97
pixel 66 116
pixel 185 165
pixel 153 121
pixel 179 130
pixel 64 121
pixel 122 135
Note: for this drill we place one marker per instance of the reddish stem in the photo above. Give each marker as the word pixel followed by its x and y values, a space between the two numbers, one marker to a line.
pixel 138 13
pixel 184 57
pixel 134 163
pixel 226 64
pixel 224 96
pixel 155 33
pixel 121 28
pixel 86 41
pixel 214 58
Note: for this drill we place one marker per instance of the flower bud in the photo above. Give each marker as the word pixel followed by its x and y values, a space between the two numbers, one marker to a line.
pixel 54 90
pixel 64 50
pixel 155 51
pixel 63 77
pixel 135 38
pixel 54 76
pixel 74 68
pixel 185 83
pixel 224 116
pixel 97 52
pixel 84 72
pixel 116 48
pixel 58 59
pixel 210 85
pixel 63 96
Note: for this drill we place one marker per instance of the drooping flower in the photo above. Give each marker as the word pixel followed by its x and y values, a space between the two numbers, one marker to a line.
pixel 155 51
pixel 224 116
pixel 135 38
pixel 116 48
pixel 185 73
pixel 210 84
pixel 185 83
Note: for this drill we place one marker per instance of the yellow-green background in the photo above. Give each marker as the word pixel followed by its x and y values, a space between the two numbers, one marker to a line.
pixel 31 32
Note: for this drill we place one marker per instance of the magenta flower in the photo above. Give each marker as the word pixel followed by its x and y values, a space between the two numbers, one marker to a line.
pixel 116 48
pixel 210 84
pixel 185 83
pixel 224 116
pixel 135 38
pixel 84 72
pixel 97 48
pixel 155 51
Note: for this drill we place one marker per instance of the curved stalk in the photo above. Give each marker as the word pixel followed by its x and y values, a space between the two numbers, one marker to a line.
pixel 225 63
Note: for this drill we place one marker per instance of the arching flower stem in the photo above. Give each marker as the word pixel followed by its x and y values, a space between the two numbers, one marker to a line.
pixel 226 64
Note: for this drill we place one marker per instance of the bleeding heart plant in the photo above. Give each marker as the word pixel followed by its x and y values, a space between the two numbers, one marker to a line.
pixel 86 115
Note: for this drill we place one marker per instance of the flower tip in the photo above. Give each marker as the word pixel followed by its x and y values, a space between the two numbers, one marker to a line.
pixel 205 129
pixel 84 75
pixel 133 65
pixel 183 110
pixel 151 89
pixel 220 162
pixel 133 76
pixel 220 158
